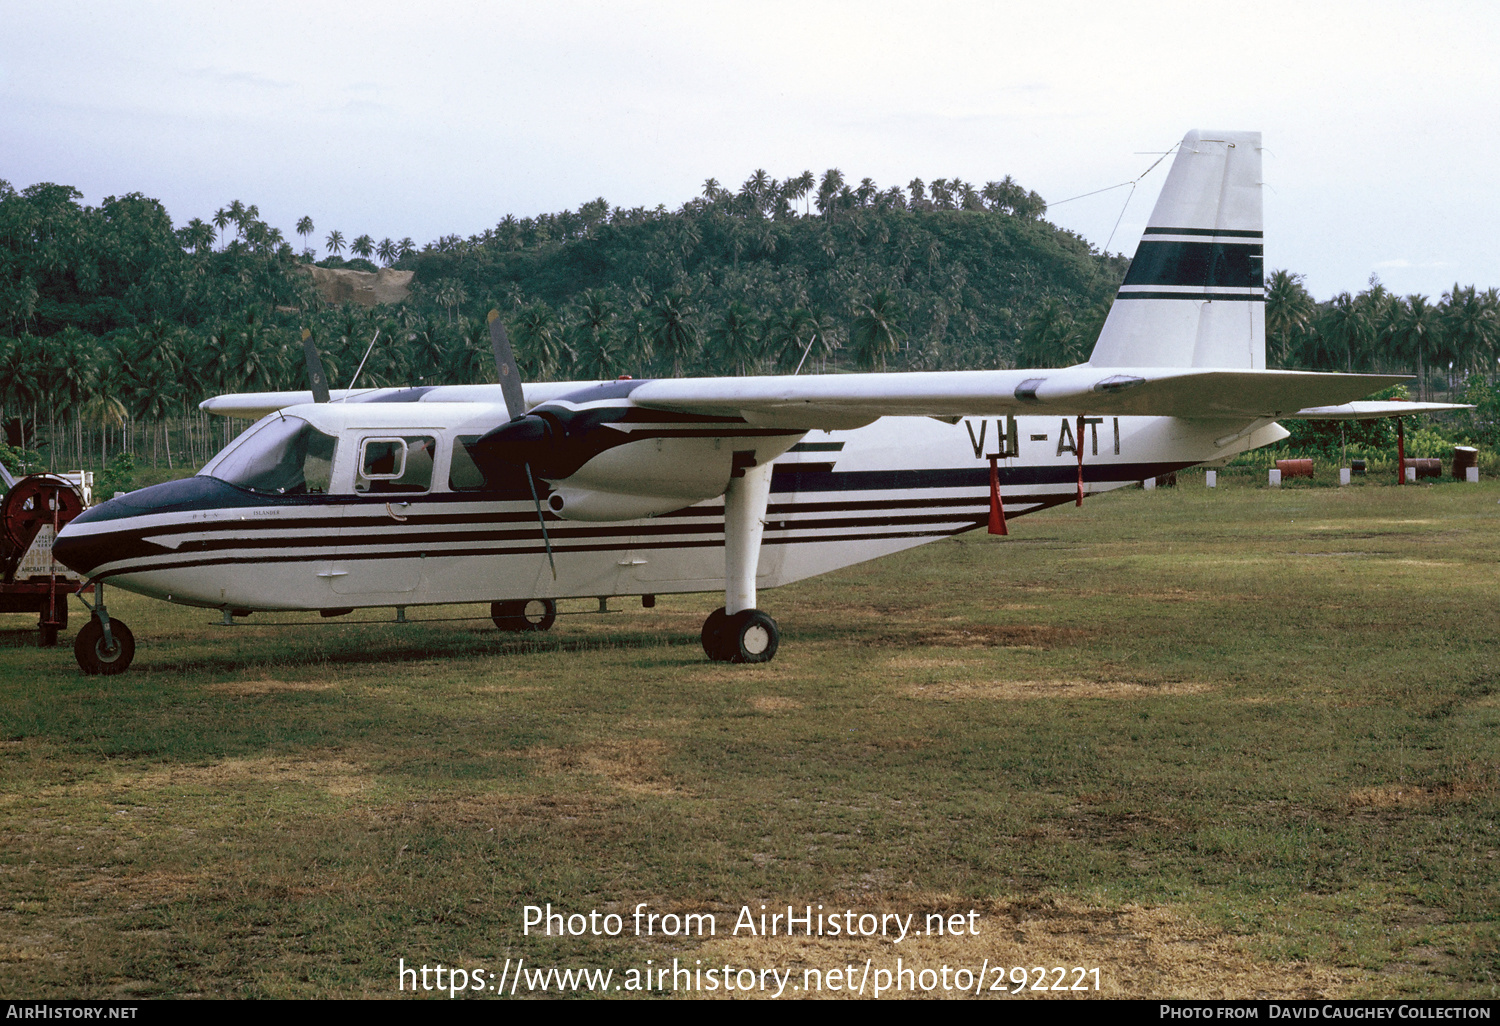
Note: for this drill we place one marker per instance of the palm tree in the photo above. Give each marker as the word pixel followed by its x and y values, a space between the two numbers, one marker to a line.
pixel 1342 333
pixel 1418 333
pixel 594 336
pixel 1470 325
pixel 541 347
pixel 790 337
pixel 405 248
pixel 387 252
pixel 450 293
pixel 305 229
pixel 1289 311
pixel 672 332
pixel 335 242
pixel 221 221
pixel 1049 338
pixel 833 181
pixel 199 235
pixel 737 339
pixel 877 332
pixel 364 246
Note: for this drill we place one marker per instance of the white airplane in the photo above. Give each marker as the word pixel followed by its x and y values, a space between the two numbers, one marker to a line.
pixel 520 496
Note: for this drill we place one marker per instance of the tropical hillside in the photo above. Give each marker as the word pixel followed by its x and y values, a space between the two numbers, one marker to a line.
pixel 114 323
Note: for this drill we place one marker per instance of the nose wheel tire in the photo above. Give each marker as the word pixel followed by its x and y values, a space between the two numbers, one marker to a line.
pixel 527 615
pixel 750 636
pixel 94 656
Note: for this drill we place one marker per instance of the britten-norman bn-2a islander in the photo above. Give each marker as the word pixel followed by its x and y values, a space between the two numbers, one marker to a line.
pixel 520 496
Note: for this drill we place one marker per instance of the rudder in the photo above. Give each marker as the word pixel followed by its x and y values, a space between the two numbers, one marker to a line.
pixel 1195 293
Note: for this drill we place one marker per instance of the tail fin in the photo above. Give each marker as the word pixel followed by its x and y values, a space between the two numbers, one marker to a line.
pixel 1195 294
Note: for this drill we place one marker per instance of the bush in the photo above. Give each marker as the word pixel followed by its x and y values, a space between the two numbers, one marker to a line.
pixel 116 477
pixel 21 462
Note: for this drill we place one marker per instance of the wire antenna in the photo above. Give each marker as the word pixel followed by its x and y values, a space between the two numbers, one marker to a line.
pixel 370 349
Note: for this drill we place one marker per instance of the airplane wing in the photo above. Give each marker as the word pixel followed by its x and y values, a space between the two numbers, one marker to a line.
pixel 848 400
pixel 254 405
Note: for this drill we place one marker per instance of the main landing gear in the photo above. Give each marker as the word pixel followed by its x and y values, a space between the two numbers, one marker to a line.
pixel 749 636
pixel 525 615
pixel 738 632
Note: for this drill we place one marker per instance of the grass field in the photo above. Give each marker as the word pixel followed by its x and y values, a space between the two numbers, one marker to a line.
pixel 1229 743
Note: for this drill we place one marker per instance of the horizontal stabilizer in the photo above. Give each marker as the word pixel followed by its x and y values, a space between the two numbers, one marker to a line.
pixel 1375 410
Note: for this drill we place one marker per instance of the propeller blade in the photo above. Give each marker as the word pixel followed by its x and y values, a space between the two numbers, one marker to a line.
pixel 505 364
pixel 541 519
pixel 314 368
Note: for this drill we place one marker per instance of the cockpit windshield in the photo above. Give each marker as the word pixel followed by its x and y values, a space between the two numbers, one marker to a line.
pixel 288 456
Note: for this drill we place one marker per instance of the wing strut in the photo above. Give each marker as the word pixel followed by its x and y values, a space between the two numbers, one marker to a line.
pixel 997 506
pixel 1400 452
pixel 1078 441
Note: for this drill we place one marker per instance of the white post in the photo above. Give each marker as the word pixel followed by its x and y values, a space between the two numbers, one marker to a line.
pixel 1411 475
pixel 1343 476
pixel 1471 475
pixel 744 523
pixel 1149 484
pixel 1275 479
pixel 1211 478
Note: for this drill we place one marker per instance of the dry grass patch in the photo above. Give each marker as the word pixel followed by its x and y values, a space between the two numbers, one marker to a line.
pixel 1019 689
pixel 633 766
pixel 1140 952
pixel 141 889
pixel 336 776
pixel 266 686
pixel 1470 782
pixel 980 635
pixel 774 704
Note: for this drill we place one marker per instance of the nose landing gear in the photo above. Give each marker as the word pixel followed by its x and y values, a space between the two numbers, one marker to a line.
pixel 95 654
pixel 104 645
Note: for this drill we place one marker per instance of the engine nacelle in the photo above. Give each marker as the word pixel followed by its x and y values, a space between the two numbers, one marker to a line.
pixel 591 504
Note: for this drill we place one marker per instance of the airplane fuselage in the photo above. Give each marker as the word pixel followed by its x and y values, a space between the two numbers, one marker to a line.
pixel 439 534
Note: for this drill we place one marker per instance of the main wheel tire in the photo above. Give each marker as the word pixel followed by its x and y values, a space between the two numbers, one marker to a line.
pixel 713 636
pixel 524 615
pixel 94 656
pixel 751 637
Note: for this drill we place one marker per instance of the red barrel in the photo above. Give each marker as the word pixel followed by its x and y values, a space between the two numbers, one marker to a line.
pixel 1295 468
pixel 1464 457
pixel 1426 467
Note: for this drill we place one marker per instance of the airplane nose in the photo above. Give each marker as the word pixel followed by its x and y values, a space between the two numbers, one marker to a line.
pixel 74 551
pixel 103 533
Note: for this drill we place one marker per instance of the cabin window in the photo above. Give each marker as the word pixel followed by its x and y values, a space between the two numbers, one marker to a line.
pixel 395 464
pixel 286 457
pixel 463 475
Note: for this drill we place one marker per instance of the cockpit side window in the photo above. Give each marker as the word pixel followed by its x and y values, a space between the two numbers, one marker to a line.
pixel 286 457
pixel 395 464
pixel 463 474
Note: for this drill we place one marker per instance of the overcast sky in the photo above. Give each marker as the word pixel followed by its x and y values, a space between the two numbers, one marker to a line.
pixel 396 120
